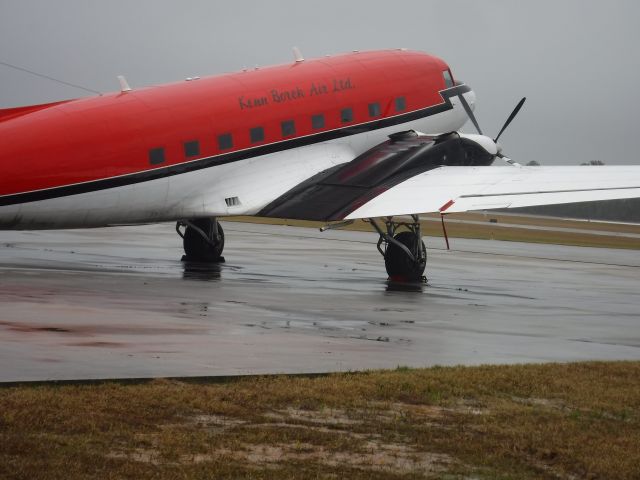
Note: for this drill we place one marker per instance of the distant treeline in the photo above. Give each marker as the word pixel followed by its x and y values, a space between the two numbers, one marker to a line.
pixel 627 210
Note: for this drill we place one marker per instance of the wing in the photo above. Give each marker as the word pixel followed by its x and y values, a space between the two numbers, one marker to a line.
pixel 421 174
pixel 460 189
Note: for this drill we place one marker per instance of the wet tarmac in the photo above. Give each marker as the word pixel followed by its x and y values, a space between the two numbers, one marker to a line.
pixel 118 303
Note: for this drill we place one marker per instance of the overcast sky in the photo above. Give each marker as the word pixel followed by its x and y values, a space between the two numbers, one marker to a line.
pixel 577 62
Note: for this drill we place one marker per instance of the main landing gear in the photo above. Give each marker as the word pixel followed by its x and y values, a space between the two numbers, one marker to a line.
pixel 203 240
pixel 400 243
pixel 405 255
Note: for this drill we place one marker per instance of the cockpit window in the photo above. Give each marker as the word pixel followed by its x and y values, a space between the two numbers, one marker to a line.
pixel 448 81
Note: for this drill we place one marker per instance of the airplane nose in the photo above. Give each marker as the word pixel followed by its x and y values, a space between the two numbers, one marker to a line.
pixel 470 97
pixel 467 98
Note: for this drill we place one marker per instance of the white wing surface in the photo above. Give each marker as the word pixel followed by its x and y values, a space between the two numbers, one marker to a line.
pixel 458 189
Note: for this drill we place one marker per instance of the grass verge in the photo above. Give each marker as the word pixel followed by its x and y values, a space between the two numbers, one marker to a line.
pixel 578 420
pixel 500 227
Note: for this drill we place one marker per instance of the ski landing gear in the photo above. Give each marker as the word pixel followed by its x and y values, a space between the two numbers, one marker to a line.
pixel 405 255
pixel 203 240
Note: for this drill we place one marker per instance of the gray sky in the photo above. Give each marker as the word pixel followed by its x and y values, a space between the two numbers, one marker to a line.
pixel 577 62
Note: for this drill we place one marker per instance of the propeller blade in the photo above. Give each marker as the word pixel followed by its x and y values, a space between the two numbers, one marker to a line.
pixel 469 113
pixel 511 117
pixel 506 159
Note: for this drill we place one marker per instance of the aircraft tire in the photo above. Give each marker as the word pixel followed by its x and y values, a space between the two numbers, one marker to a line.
pixel 196 248
pixel 398 263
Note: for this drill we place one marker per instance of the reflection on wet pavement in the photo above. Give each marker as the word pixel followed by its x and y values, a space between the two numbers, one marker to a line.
pixel 119 303
pixel 201 271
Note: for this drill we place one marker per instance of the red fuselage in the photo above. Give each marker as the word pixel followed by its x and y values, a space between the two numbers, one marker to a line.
pixel 168 128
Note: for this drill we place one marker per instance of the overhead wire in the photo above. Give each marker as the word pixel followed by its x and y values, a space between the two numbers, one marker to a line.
pixel 6 64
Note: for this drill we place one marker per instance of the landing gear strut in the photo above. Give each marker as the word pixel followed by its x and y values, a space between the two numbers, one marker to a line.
pixel 203 240
pixel 405 255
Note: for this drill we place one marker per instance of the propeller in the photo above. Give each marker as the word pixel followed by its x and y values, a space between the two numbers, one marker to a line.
pixel 470 114
pixel 511 117
pixel 513 114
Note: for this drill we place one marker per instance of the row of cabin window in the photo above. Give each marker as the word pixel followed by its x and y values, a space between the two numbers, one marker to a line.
pixel 288 128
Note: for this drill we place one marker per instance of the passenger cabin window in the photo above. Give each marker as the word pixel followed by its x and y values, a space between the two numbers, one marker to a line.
pixel 257 134
pixel 448 81
pixel 288 128
pixel 346 115
pixel 156 156
pixel 401 104
pixel 225 141
pixel 374 110
pixel 192 148
pixel 317 121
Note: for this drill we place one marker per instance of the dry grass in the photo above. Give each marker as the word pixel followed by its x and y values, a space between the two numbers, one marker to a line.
pixel 534 421
pixel 503 229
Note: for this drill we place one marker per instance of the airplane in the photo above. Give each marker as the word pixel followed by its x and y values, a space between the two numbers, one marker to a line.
pixel 334 139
